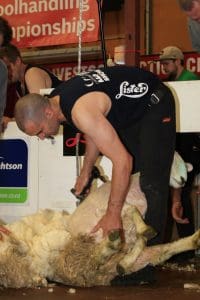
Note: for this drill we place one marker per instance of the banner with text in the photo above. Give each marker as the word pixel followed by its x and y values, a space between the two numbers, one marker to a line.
pixel 53 22
pixel 149 62
pixel 64 71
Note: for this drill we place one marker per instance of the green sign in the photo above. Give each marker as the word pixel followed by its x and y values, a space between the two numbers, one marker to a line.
pixel 13 195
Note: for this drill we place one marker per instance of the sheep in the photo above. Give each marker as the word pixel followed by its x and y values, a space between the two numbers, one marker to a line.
pixel 56 246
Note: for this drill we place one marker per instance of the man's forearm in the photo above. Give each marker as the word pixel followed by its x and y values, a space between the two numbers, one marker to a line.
pixel 175 195
pixel 119 187
pixel 91 155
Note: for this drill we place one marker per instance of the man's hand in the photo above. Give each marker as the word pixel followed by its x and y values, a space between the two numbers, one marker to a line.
pixel 177 208
pixel 81 183
pixel 177 213
pixel 5 121
pixel 108 223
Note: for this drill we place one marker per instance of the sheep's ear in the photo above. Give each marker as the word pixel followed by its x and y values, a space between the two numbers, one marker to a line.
pixel 189 167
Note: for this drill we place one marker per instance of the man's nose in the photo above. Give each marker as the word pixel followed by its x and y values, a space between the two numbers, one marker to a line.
pixel 41 136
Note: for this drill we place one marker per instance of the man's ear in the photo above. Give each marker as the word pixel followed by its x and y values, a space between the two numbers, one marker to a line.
pixel 18 60
pixel 48 112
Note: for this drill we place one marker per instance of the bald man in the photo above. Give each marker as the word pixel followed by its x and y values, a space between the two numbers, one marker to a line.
pixel 125 113
pixel 128 115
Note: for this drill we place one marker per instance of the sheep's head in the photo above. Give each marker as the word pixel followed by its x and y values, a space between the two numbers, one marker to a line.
pixel 179 169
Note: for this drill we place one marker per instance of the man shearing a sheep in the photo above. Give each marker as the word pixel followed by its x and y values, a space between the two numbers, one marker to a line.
pixel 128 115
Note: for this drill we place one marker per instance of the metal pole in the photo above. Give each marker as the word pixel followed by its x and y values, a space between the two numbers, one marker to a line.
pixel 148 27
pixel 103 48
pixel 132 32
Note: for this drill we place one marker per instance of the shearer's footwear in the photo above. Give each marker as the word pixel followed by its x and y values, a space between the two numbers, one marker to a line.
pixel 141 277
pixel 184 257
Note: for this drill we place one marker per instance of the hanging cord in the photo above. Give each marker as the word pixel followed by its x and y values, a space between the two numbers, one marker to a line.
pixel 95 171
pixel 103 47
pixel 80 35
pixel 78 159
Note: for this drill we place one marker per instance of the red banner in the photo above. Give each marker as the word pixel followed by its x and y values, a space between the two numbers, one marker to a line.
pixel 50 22
pixel 149 62
pixel 64 71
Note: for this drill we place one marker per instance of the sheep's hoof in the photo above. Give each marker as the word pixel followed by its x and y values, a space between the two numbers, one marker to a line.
pixel 196 239
pixel 120 270
pixel 149 233
pixel 114 235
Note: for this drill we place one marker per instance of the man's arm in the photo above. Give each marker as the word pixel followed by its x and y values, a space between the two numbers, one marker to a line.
pixel 91 155
pixel 37 79
pixel 3 88
pixel 91 120
pixel 177 208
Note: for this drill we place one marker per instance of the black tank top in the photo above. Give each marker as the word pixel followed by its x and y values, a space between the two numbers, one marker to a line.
pixel 129 89
pixel 54 79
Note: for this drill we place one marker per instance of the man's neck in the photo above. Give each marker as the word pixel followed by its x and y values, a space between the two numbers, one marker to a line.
pixel 179 72
pixel 55 104
pixel 22 73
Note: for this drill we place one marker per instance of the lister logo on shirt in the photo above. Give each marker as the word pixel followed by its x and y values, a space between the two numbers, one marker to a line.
pixel 129 90
pixel 13 171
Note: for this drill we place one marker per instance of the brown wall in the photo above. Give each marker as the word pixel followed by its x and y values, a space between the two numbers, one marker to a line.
pixel 169 27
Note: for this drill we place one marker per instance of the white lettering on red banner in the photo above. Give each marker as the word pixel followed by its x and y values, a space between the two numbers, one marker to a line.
pixel 52 22
pixel 65 71
pixel 149 62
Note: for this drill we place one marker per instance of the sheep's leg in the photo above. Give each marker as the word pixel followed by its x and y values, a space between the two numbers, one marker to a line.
pixel 144 233
pixel 158 254
pixel 168 250
pixel 110 245
pixel 128 260
pixel 141 228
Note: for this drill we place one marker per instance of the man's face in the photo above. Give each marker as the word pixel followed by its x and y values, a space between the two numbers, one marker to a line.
pixel 44 129
pixel 194 13
pixel 15 70
pixel 169 66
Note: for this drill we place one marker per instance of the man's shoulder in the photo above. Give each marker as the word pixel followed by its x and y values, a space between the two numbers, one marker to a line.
pixel 194 28
pixel 3 65
pixel 188 75
pixel 3 69
pixel 34 69
pixel 193 24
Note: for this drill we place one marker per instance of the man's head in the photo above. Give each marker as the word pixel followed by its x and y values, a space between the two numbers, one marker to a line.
pixel 35 116
pixel 12 57
pixel 5 32
pixel 172 60
pixel 191 8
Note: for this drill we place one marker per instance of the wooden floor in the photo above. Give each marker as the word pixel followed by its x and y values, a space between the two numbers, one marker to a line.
pixel 169 286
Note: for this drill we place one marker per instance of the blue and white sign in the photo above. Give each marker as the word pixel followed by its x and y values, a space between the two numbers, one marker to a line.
pixel 13 170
